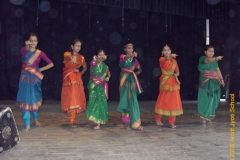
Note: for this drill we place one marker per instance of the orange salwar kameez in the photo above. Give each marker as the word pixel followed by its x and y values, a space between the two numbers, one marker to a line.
pixel 73 99
pixel 169 101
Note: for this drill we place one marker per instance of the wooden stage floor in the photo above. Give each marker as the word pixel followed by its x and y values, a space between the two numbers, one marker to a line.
pixel 191 140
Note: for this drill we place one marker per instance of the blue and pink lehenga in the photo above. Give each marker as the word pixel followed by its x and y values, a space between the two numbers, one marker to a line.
pixel 29 96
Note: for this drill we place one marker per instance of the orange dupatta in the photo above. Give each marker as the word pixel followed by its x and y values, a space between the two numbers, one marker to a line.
pixel 168 67
pixel 73 96
pixel 69 67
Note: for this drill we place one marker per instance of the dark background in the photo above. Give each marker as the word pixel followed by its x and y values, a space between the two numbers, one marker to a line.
pixel 109 24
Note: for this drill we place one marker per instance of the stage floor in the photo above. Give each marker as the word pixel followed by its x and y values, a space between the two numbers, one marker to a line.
pixel 55 140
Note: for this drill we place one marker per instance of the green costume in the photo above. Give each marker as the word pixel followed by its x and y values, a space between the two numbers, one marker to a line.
pixel 129 88
pixel 209 89
pixel 97 108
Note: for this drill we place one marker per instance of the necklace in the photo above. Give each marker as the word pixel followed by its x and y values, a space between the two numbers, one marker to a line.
pixel 130 59
pixel 100 67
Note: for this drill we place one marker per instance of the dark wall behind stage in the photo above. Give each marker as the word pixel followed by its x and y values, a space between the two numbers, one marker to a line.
pixel 103 24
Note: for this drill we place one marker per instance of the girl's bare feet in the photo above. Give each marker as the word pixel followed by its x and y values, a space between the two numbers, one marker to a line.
pixel 126 125
pixel 97 128
pixel 209 122
pixel 203 121
pixel 26 128
pixel 140 128
pixel 172 126
pixel 73 125
pixel 159 123
pixel 37 123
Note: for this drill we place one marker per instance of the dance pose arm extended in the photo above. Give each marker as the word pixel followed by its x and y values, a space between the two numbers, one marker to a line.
pixel 212 59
